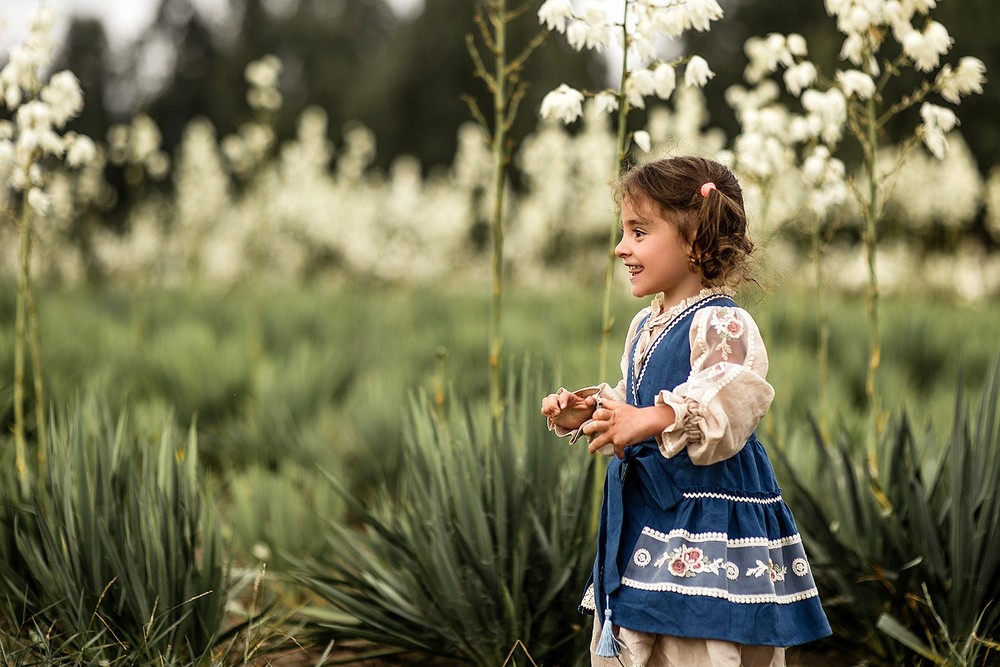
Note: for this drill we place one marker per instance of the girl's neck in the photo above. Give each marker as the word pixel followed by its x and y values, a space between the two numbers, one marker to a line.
pixel 682 298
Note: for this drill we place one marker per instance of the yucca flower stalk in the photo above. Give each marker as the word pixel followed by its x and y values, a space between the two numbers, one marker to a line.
pixel 643 73
pixel 867 30
pixel 855 99
pixel 504 82
pixel 40 109
pixel 785 161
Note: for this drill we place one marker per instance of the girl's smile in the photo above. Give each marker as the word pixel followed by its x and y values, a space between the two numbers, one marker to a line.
pixel 654 253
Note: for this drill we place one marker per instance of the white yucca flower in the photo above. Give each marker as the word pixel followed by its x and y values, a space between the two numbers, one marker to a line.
pixel 664 80
pixel 80 151
pixel 697 72
pixel 563 103
pixel 64 97
pixel 605 102
pixel 926 48
pixel 263 73
pixel 554 13
pixel 796 44
pixel 938 122
pixel 640 83
pixel 39 202
pixel 700 13
pixel 592 31
pixel 967 78
pixel 828 112
pixel 19 79
pixel 857 83
pixel 641 27
pixel 643 140
pixel 799 77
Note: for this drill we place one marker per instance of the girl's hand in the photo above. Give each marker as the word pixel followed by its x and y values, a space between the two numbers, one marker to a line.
pixel 620 425
pixel 567 410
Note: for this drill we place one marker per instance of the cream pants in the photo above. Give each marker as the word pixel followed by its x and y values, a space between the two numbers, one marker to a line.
pixel 641 649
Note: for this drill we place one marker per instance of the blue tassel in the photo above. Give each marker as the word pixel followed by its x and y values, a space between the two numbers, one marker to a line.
pixel 607 646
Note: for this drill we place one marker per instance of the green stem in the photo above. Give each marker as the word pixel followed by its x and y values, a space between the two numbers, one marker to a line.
pixel 35 348
pixel 871 248
pixel 823 322
pixel 499 175
pixel 24 256
pixel 607 320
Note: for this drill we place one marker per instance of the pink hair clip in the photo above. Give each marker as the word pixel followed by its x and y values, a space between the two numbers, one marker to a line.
pixel 706 188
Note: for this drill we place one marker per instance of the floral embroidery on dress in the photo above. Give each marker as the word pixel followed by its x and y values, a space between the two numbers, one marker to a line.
pixel 729 327
pixel 642 557
pixel 688 561
pixel 732 570
pixel 776 573
pixel 800 567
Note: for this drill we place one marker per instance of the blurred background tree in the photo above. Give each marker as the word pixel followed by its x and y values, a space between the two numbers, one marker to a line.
pixel 402 78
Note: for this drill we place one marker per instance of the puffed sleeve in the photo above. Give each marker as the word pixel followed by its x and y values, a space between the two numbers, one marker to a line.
pixel 605 390
pixel 726 395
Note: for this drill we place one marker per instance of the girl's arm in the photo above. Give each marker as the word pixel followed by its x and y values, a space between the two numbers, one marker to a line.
pixel 725 396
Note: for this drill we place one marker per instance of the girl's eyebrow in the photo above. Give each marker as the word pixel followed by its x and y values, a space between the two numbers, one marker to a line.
pixel 634 220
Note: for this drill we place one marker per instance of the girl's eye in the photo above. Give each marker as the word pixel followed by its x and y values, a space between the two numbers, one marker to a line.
pixel 638 233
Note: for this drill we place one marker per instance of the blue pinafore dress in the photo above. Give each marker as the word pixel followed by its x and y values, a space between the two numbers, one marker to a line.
pixel 707 552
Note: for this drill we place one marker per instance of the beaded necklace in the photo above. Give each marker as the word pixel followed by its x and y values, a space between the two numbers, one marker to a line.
pixel 671 323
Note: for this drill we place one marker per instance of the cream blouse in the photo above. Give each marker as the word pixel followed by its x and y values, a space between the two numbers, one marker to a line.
pixel 724 397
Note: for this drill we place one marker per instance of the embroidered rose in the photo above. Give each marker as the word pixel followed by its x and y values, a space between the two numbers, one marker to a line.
pixel 688 561
pixel 729 327
pixel 642 558
pixel 679 567
pixel 800 567
pixel 732 571
pixel 693 555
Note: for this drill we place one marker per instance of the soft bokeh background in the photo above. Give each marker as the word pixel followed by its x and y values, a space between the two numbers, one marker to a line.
pixel 282 249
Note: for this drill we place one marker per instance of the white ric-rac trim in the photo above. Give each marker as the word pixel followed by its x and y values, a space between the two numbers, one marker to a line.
pixel 719 537
pixel 735 499
pixel 720 593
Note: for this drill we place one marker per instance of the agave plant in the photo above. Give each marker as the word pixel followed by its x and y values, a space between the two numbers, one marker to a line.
pixel 117 550
pixel 483 543
pixel 908 558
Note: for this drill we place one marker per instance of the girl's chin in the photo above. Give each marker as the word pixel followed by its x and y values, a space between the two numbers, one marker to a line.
pixel 639 292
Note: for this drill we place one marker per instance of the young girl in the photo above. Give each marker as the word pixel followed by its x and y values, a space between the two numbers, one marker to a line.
pixel 698 560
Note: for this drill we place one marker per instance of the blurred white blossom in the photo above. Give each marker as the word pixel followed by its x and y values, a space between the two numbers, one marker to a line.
pixel 606 102
pixel 643 140
pixel 967 78
pixel 563 103
pixel 38 105
pixel 799 76
pixel 938 122
pixel 926 48
pixel 826 114
pixel 697 72
pixel 664 80
pixel 554 13
pixel 63 95
pixel 262 76
pixel 926 190
pixel 856 82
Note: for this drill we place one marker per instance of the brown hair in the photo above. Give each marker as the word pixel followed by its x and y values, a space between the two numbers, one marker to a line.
pixel 715 224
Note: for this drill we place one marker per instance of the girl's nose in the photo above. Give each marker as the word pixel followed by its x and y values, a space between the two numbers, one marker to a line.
pixel 620 250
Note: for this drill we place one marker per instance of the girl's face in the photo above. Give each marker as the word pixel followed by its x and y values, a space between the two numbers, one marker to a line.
pixel 655 253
